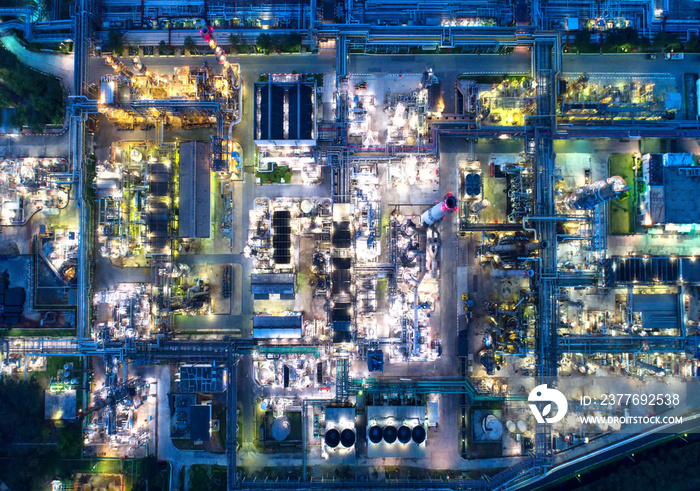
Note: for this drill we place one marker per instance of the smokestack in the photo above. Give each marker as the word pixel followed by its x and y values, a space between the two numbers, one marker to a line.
pixel 440 210
pixel 521 273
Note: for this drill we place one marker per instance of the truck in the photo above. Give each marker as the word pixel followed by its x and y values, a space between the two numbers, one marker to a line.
pixel 674 56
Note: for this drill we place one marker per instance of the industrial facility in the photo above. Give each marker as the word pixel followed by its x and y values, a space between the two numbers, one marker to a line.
pixel 369 245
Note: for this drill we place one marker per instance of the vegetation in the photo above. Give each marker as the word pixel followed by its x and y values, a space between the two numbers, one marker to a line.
pixel 162 48
pixel 207 478
pixel 624 41
pixel 238 43
pixel 37 98
pixel 582 43
pixel 287 43
pixel 628 41
pixel 623 211
pixel 115 39
pixel 189 45
pixel 279 173
pixel 693 44
pixel 29 465
pixel 150 475
pixel 666 42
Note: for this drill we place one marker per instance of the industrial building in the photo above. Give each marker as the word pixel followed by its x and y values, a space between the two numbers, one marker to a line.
pixel 194 220
pixel 288 326
pixel 266 285
pixel 285 112
pixel 670 198
pixel 200 425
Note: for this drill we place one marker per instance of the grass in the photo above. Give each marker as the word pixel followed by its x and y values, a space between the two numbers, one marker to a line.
pixel 60 333
pixel 37 98
pixel 279 173
pixel 622 218
pixel 382 292
pixel 55 363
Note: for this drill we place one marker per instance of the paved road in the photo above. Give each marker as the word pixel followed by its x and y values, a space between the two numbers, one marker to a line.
pixel 34 146
pixel 628 63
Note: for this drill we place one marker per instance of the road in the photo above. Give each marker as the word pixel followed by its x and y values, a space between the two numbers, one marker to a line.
pixel 690 424
pixel 56 64
pixel 628 64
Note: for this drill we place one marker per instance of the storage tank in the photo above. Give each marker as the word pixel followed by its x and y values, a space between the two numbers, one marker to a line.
pixel 281 428
pixel 347 438
pixel 418 434
pixel 440 210
pixel 404 434
pixel 389 434
pixel 332 438
pixel 492 427
pixel 375 434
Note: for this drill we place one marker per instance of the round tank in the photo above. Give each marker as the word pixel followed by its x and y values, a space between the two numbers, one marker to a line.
pixel 375 434
pixel 389 434
pixel 418 434
pixel 522 426
pixel 511 426
pixel 306 206
pixel 347 438
pixel 332 438
pixel 281 428
pixel 404 434
pixel 493 428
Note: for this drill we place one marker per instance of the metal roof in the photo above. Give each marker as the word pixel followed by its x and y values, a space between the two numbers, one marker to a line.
pixel 195 191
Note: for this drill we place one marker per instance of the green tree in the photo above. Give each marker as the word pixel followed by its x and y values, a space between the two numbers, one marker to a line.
pixel 237 42
pixel 116 41
pixel 664 40
pixel 70 440
pixel 189 45
pixel 203 478
pixel 693 44
pixel 150 476
pixel 291 43
pixel 265 43
pixel 19 118
pixel 582 42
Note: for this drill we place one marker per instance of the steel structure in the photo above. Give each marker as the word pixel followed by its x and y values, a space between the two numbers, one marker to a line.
pixel 361 35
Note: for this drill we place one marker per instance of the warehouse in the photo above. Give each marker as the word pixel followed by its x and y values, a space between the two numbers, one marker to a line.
pixel 195 191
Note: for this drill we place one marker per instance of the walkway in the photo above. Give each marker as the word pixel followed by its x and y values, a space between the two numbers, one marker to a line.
pixel 58 65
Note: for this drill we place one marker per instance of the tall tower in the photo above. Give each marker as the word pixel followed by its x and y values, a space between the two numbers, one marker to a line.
pixel 588 197
pixel 440 210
